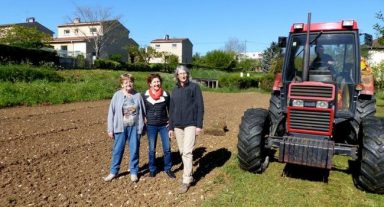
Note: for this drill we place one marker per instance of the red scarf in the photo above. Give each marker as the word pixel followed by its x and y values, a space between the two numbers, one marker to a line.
pixel 157 94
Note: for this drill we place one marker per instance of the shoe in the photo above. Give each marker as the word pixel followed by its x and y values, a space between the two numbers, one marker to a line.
pixel 170 174
pixel 152 174
pixel 184 188
pixel 109 177
pixel 134 178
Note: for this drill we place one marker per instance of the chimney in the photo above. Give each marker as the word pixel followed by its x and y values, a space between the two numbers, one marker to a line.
pixel 166 37
pixel 30 19
pixel 76 20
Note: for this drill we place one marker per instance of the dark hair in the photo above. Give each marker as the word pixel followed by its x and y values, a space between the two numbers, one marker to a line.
pixel 153 76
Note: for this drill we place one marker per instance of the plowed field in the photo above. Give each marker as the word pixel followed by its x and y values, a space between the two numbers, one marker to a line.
pixel 57 155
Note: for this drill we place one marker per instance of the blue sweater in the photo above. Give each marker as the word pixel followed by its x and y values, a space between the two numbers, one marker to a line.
pixel 115 112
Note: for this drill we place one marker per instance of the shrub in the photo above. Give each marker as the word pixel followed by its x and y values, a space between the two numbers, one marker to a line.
pixel 26 73
pixel 266 82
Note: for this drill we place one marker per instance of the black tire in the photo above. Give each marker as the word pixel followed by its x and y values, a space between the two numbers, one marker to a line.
pixel 365 107
pixel 276 115
pixel 251 150
pixel 370 175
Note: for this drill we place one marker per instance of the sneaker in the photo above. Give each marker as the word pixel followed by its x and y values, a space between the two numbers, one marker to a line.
pixel 134 178
pixel 184 188
pixel 109 177
pixel 170 174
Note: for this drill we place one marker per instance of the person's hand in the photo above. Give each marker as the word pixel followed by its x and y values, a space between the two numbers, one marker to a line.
pixel 110 134
pixel 170 133
pixel 198 131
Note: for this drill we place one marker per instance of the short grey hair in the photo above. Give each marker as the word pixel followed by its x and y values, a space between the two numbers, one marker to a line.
pixel 184 68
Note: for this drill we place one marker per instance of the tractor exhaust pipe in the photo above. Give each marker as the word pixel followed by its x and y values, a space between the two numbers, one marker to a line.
pixel 306 50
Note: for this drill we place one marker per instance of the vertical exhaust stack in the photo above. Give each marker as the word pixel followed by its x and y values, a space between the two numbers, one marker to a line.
pixel 306 50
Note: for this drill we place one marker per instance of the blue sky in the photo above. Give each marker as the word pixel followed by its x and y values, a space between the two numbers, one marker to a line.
pixel 209 24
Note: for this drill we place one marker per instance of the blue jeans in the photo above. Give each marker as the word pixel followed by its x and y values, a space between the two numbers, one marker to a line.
pixel 152 132
pixel 130 134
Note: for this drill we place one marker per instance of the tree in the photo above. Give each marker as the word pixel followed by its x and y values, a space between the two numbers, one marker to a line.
pixel 234 45
pixel 134 53
pixel 27 37
pixel 107 23
pixel 380 28
pixel 220 59
pixel 271 58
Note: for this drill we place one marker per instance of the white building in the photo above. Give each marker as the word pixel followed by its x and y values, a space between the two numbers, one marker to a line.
pixel 250 55
pixel 376 54
pixel 78 38
pixel 181 47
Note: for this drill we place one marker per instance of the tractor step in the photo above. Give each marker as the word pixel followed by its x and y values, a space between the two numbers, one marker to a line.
pixel 307 152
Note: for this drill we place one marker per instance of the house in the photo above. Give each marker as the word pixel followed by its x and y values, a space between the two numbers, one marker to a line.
pixel 376 53
pixel 29 23
pixel 92 40
pixel 181 47
pixel 250 55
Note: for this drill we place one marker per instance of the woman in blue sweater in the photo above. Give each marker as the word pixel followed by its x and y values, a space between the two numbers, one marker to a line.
pixel 156 102
pixel 125 123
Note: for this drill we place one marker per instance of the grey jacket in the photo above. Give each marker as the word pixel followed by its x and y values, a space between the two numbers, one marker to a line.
pixel 115 113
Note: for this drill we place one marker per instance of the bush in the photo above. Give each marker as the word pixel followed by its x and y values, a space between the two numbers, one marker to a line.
pixel 26 73
pixel 107 64
pixel 238 82
pixel 11 54
pixel 266 82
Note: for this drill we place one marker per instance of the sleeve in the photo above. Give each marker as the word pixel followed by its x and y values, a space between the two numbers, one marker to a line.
pixel 200 107
pixel 111 114
pixel 170 111
pixel 142 114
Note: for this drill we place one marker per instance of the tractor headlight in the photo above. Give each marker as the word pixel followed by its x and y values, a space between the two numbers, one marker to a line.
pixel 322 104
pixel 299 103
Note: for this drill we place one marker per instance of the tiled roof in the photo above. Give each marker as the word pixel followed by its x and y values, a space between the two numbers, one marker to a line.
pixel 37 25
pixel 170 40
pixel 68 39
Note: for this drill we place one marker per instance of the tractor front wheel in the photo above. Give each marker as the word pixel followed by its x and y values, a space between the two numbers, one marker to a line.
pixel 251 140
pixel 370 175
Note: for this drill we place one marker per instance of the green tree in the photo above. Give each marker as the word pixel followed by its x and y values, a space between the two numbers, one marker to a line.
pixel 220 59
pixel 248 64
pixel 27 37
pixel 379 27
pixel 270 58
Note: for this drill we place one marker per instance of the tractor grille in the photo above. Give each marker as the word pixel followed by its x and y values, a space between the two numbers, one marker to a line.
pixel 300 120
pixel 311 91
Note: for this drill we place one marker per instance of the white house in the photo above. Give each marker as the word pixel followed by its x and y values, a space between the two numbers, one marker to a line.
pixel 376 53
pixel 181 47
pixel 250 55
pixel 78 38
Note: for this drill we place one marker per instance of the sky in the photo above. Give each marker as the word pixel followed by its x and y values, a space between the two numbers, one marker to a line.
pixel 209 24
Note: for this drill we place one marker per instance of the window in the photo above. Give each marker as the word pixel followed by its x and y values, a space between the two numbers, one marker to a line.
pixel 174 45
pixel 157 46
pixel 93 30
pixel 76 31
pixel 66 32
pixel 64 47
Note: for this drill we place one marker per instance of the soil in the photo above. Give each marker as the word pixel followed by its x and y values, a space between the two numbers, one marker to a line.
pixel 56 155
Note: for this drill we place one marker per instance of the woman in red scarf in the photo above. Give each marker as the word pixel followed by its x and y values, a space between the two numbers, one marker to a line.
pixel 157 107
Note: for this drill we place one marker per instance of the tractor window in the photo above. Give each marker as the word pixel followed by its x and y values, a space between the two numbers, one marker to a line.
pixel 338 55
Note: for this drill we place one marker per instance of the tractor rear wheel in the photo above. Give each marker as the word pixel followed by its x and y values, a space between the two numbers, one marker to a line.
pixel 251 150
pixel 370 175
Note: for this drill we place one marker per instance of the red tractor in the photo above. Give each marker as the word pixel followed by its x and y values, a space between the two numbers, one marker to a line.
pixel 320 106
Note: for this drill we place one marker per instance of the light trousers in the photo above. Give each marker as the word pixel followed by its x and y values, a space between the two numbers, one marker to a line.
pixel 185 138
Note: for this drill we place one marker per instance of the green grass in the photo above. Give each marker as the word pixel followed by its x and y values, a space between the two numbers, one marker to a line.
pixel 271 188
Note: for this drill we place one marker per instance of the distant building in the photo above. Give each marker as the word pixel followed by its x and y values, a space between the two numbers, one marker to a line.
pixel 250 55
pixel 181 47
pixel 78 38
pixel 376 53
pixel 29 23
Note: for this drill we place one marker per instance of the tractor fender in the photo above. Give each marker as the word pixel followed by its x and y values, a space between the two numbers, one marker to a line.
pixel 278 82
pixel 368 84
